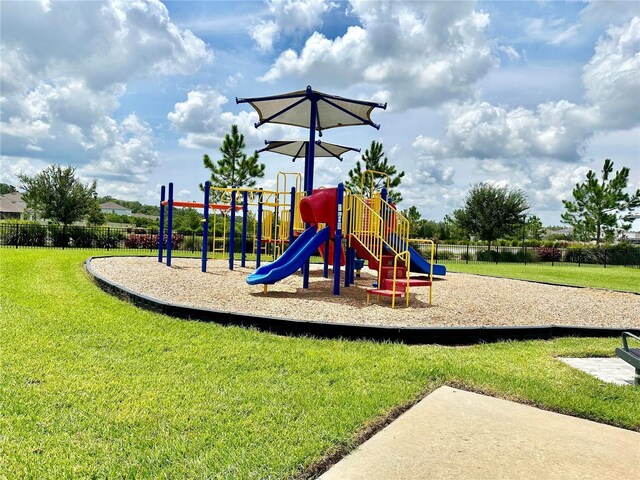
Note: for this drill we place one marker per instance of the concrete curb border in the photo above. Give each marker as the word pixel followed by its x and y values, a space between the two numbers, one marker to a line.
pixel 407 335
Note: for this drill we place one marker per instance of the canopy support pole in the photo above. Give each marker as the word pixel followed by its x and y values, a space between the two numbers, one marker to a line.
pixel 308 177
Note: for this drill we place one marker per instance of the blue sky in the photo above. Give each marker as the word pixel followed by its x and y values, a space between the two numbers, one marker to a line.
pixel 133 93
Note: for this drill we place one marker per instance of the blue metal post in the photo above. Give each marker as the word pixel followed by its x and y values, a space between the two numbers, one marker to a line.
pixel 161 230
pixel 259 232
pixel 170 224
pixel 337 246
pixel 232 230
pixel 292 215
pixel 205 225
pixel 309 166
pixel 312 142
pixel 325 270
pixel 348 272
pixel 347 267
pixel 245 211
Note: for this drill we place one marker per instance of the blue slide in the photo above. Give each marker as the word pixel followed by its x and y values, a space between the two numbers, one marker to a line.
pixel 419 264
pixel 292 259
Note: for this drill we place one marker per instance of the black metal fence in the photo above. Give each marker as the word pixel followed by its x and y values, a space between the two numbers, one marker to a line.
pixel 109 238
pixel 16 235
pixel 579 254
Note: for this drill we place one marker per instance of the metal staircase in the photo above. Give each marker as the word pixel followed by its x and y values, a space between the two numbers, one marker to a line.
pixel 380 234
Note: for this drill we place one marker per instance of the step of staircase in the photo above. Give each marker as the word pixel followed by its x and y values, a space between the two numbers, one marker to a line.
pixel 387 262
pixel 401 283
pixel 387 272
pixel 385 293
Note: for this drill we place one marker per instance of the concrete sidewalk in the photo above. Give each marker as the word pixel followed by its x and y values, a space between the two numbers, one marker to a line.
pixel 457 434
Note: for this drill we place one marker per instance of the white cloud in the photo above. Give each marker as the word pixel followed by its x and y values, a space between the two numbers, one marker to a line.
pixel 420 53
pixel 65 69
pixel 264 34
pixel 557 129
pixel 11 167
pixel 511 52
pixel 609 12
pixel 204 122
pixel 288 17
pixel 612 76
pixel 552 31
pixel 129 154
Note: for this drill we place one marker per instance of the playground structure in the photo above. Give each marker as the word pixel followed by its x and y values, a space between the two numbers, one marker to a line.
pixel 339 224
pixel 343 227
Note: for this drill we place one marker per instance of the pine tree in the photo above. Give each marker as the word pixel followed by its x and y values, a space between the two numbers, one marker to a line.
pixel 234 169
pixel 374 159
pixel 600 207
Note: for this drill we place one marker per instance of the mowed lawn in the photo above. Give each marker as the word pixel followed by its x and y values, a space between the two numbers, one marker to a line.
pixel 91 386
pixel 614 278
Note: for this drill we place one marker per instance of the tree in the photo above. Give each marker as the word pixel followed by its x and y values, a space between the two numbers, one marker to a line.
pixel 599 206
pixel 95 216
pixel 6 188
pixel 491 212
pixel 413 215
pixel 58 195
pixel 534 228
pixel 374 159
pixel 234 169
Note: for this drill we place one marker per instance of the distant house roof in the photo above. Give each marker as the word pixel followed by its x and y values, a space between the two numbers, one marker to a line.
pixel 12 203
pixel 8 207
pixel 112 206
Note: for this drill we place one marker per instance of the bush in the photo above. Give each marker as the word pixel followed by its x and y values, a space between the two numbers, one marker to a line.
pixel 548 254
pixel 82 237
pixel 150 241
pixel 59 235
pixel 192 243
pixel 108 239
pixel 504 256
pixel 27 234
pixel 442 255
pixel 620 254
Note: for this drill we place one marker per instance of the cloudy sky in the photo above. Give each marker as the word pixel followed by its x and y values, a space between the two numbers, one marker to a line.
pixel 133 93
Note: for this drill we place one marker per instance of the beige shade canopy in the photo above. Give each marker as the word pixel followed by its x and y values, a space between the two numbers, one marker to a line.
pixel 298 149
pixel 294 108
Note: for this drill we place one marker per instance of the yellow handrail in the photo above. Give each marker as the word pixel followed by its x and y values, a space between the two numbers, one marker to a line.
pixel 404 256
pixel 396 234
pixel 365 227
pixel 431 260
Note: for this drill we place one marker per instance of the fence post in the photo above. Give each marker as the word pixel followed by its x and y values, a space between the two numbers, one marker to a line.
pixel 497 253
pixel 64 236
pixel 553 255
pixel 524 253
pixel 17 233
pixel 437 244
pixel 605 257
pixel 467 254
pixel 626 253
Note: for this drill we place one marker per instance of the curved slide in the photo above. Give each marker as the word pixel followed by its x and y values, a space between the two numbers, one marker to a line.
pixel 419 264
pixel 292 259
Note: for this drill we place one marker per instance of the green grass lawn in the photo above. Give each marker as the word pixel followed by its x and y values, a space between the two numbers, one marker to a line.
pixel 91 386
pixel 614 278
